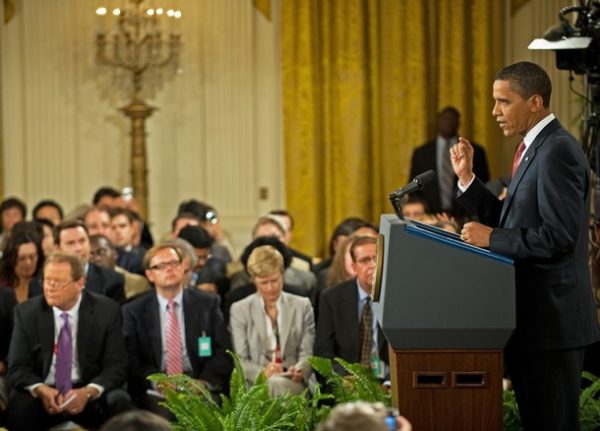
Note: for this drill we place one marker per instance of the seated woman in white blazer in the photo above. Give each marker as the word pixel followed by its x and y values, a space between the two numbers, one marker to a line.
pixel 273 331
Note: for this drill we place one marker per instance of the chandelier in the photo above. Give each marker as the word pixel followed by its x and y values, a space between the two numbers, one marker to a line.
pixel 143 48
pixel 141 45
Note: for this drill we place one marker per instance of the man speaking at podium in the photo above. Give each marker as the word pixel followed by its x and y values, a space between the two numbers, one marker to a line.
pixel 542 224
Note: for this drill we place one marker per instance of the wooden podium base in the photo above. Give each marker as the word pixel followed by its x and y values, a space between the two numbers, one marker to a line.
pixel 445 390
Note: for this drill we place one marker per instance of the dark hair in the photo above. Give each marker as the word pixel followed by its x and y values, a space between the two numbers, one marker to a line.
pixel 105 191
pixel 13 202
pixel 68 224
pixel 197 236
pixel 202 210
pixel 527 79
pixel 449 109
pixel 284 213
pixel 114 212
pixel 47 203
pixel 11 253
pixel 137 420
pixel 267 240
pixel 182 215
pixel 359 241
pixel 345 228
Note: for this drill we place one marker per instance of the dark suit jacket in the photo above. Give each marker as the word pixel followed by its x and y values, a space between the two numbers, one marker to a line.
pixel 100 280
pixel 338 325
pixel 100 344
pixel 542 224
pixel 8 302
pixel 132 260
pixel 425 158
pixel 202 315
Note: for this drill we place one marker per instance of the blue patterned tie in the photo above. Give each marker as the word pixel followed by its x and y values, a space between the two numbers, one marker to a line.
pixel 64 357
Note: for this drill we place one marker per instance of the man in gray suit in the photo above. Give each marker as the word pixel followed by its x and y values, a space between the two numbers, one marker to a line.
pixel 273 331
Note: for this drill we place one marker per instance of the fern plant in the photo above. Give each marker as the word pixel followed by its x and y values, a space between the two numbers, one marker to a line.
pixel 246 408
pixel 360 384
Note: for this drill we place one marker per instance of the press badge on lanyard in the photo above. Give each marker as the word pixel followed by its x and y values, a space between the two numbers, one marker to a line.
pixel 204 346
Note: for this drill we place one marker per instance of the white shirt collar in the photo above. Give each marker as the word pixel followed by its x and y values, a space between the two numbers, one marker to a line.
pixel 162 301
pixel 535 130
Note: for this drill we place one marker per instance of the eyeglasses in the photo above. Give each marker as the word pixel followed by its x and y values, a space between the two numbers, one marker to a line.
pixel 367 260
pixel 48 282
pixel 165 265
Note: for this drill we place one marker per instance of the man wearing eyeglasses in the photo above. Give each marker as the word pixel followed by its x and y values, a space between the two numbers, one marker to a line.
pixel 346 326
pixel 67 358
pixel 72 237
pixel 174 330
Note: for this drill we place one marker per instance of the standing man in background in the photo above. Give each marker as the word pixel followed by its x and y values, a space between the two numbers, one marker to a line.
pixel 435 155
pixel 542 224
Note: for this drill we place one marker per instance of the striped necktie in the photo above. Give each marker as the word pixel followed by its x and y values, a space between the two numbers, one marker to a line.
pixel 174 351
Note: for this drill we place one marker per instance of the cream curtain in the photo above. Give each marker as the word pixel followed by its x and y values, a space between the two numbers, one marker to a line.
pixel 362 82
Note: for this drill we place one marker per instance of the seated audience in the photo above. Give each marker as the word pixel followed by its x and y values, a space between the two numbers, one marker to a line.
pixel 103 254
pixel 111 198
pixel 363 416
pixel 207 216
pixel 346 326
pixel 268 226
pixel 71 237
pixel 341 232
pixel 341 268
pixel 12 211
pixel 249 288
pixel 209 272
pixel 188 260
pixel 21 263
pixel 97 221
pixel 52 379
pixel 285 218
pixel 48 209
pixel 129 257
pixel 8 302
pixel 174 330
pixel 273 331
pixel 47 235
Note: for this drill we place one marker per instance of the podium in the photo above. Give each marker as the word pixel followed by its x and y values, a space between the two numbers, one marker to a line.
pixel 447 310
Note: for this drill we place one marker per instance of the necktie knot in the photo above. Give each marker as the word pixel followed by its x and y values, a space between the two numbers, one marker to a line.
pixel 171 305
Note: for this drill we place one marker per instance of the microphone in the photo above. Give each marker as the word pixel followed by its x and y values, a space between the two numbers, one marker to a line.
pixel 416 184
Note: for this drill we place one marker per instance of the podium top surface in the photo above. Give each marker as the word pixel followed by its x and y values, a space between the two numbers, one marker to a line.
pixel 452 239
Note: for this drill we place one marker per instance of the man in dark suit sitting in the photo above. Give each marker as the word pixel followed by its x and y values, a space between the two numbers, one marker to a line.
pixel 174 330
pixel 72 237
pixel 346 325
pixel 67 357
pixel 435 155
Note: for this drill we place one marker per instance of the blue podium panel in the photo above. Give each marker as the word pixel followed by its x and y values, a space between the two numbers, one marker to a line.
pixel 440 293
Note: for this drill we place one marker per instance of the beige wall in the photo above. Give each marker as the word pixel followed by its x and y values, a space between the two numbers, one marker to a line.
pixel 216 135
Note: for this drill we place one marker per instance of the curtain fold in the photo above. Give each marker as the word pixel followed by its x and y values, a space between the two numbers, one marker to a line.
pixel 362 83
